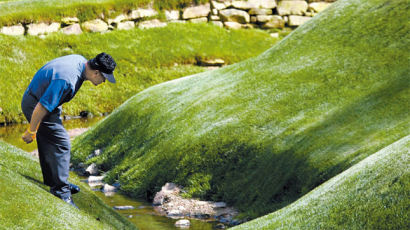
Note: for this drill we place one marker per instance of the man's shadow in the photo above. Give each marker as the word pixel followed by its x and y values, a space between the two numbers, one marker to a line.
pixel 37 182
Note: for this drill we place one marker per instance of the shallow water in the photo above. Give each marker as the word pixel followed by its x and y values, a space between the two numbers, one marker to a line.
pixel 143 216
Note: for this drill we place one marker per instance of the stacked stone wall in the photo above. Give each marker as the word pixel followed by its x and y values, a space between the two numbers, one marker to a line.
pixel 232 14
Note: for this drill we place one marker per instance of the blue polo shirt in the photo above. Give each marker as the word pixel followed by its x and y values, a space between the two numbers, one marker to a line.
pixel 58 81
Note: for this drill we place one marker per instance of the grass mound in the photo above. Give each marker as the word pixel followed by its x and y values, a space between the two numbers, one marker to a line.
pixel 373 194
pixel 26 203
pixel 261 133
pixel 144 57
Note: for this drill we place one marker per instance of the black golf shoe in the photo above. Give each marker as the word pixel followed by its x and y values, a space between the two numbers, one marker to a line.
pixel 69 200
pixel 74 188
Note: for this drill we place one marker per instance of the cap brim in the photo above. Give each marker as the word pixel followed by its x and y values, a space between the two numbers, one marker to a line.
pixel 110 77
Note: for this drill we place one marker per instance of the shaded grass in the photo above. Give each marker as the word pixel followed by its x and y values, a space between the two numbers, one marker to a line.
pixel 27 11
pixel 373 194
pixel 144 57
pixel 262 133
pixel 27 204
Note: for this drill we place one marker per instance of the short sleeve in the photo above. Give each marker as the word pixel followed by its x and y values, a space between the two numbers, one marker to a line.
pixel 53 94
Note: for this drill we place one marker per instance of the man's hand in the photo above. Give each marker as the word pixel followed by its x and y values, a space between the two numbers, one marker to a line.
pixel 38 114
pixel 28 137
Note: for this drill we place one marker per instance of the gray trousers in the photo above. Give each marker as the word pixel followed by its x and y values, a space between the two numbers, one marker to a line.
pixel 53 145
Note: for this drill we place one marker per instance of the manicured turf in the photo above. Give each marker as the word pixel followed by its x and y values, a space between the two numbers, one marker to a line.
pixel 262 133
pixel 26 203
pixel 144 57
pixel 373 194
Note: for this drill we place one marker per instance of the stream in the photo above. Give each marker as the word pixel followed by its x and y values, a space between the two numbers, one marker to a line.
pixel 143 216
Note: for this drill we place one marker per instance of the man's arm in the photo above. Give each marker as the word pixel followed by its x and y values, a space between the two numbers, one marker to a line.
pixel 38 114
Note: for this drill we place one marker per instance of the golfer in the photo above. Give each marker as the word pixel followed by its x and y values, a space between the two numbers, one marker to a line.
pixel 56 83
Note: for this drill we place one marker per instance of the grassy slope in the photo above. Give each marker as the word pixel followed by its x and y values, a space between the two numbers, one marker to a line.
pixel 28 11
pixel 144 57
pixel 373 194
pixel 26 203
pixel 262 133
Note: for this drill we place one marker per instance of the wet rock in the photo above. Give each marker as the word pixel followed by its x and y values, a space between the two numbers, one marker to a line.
pixel 95 179
pixel 126 207
pixel 219 205
pixel 182 223
pixel 109 188
pixel 92 169
pixel 220 226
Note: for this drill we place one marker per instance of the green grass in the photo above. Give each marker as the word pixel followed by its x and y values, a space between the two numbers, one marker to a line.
pixel 262 133
pixel 144 57
pixel 373 194
pixel 26 203
pixel 27 11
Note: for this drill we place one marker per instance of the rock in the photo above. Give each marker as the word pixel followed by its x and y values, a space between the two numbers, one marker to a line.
pixel 215 18
pixel 95 179
pixel 161 196
pixel 172 15
pixel 258 11
pixel 274 35
pixel 297 20
pixel 232 15
pixel 109 188
pixel 274 22
pixel 218 5
pixel 254 19
pixel 126 207
pixel 263 18
pixel 128 25
pixel 96 25
pixel 292 7
pixel 245 5
pixel 219 205
pixel 142 13
pixel 151 24
pixel 97 152
pixel 69 20
pixel 118 19
pixel 214 11
pixel 211 62
pixel 318 6
pixel 177 21
pixel 196 11
pixel 174 213
pixel 182 223
pixel 217 23
pixel 42 28
pixel 13 30
pixel 199 20
pixel 92 169
pixel 220 226
pixel 232 25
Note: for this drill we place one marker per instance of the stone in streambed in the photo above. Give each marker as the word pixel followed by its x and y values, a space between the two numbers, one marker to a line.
pixel 126 207
pixel 182 223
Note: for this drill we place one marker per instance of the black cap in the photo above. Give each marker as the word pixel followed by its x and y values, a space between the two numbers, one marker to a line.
pixel 105 64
